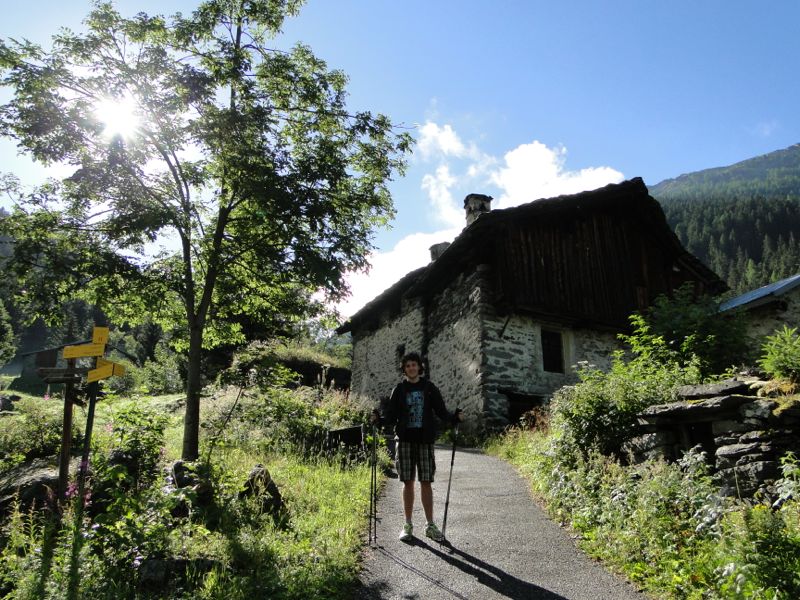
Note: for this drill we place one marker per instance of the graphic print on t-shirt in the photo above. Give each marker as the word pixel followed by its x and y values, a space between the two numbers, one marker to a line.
pixel 415 401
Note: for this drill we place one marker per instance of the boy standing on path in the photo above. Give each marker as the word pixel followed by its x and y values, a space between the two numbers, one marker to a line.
pixel 411 410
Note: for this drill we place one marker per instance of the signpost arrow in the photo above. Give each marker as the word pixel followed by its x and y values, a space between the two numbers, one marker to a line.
pixel 104 370
pixel 84 350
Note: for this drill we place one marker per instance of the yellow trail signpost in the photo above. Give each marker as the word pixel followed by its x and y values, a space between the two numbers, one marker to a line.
pixel 105 369
pixel 71 376
pixel 84 350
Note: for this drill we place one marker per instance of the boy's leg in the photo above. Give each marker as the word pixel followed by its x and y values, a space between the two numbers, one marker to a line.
pixel 408 499
pixel 427 470
pixel 426 496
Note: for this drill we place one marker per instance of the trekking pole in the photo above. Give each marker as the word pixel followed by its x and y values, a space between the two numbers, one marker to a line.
pixel 450 478
pixel 373 492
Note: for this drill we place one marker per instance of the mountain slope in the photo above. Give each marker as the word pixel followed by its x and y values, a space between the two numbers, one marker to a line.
pixel 774 174
pixel 742 220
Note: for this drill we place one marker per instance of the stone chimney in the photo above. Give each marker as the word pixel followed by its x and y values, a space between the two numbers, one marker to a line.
pixel 475 205
pixel 438 249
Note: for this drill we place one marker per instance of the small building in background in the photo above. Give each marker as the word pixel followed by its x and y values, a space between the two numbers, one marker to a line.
pixel 768 308
pixel 503 314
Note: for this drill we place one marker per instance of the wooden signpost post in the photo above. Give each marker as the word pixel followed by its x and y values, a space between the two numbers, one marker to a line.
pixel 71 376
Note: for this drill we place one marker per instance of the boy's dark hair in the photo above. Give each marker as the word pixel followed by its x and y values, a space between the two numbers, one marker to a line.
pixel 408 358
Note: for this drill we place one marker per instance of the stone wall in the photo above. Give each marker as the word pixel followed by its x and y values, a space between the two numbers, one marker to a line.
pixel 744 436
pixel 377 353
pixel 764 320
pixel 488 364
pixel 454 351
pixel 514 363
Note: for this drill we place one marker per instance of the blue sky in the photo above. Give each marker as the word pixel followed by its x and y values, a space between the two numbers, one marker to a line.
pixel 529 99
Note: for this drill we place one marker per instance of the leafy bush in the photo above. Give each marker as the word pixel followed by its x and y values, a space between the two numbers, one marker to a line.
pixel 279 419
pixel 7 339
pixel 600 411
pixel 34 432
pixel 257 364
pixel 781 354
pixel 162 375
pixel 689 330
pixel 136 440
pixel 762 553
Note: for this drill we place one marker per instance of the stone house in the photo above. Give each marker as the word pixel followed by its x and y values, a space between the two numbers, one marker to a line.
pixel 767 308
pixel 503 314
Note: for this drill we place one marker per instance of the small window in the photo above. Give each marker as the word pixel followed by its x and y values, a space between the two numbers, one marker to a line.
pixel 552 351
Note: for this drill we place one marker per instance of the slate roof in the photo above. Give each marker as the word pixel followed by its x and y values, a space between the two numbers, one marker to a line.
pixel 762 295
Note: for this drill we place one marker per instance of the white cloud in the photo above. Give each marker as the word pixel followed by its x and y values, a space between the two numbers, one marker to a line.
pixel 438 185
pixel 437 141
pixel 533 171
pixel 528 172
pixel 408 254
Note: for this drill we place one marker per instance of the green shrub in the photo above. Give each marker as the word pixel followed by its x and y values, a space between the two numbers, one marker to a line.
pixel 162 375
pixel 781 354
pixel 136 440
pixel 34 432
pixel 279 419
pixel 600 411
pixel 688 329
pixel 762 559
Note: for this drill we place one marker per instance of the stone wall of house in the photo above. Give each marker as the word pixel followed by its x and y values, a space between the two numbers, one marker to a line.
pixel 377 353
pixel 514 363
pixel 744 436
pixel 454 350
pixel 764 320
pixel 481 361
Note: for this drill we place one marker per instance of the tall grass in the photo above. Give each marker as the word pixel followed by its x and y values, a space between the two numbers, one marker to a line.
pixel 228 548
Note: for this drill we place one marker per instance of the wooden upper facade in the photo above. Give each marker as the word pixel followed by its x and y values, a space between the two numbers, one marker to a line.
pixel 588 259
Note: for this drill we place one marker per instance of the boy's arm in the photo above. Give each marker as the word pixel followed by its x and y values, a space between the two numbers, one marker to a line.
pixel 390 412
pixel 437 402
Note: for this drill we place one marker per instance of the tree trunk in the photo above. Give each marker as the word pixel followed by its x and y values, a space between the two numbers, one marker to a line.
pixel 191 419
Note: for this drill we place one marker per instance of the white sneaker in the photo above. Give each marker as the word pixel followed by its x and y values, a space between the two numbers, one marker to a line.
pixel 406 533
pixel 432 531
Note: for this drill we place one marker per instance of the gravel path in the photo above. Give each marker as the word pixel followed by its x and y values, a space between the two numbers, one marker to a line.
pixel 503 545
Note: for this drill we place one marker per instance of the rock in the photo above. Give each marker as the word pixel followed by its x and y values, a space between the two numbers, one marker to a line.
pixel 155 573
pixel 727 426
pixel 260 485
pixel 711 390
pixel 185 475
pixel 712 409
pixel 758 409
pixel 6 404
pixel 34 482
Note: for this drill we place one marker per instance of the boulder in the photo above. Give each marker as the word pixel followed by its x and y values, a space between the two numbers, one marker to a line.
pixel 711 390
pixel 260 485
pixel 33 482
pixel 712 409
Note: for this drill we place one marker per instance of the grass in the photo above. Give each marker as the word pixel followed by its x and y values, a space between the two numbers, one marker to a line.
pixel 233 549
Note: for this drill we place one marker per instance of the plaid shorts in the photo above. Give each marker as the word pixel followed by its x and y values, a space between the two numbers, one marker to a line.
pixel 414 456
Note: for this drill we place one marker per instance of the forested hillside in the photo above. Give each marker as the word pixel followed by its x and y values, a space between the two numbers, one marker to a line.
pixel 743 220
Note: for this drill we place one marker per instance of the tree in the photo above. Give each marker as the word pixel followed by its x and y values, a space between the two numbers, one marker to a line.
pixel 7 339
pixel 686 329
pixel 245 155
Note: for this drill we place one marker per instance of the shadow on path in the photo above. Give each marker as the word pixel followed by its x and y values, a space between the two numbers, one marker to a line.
pixel 486 574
